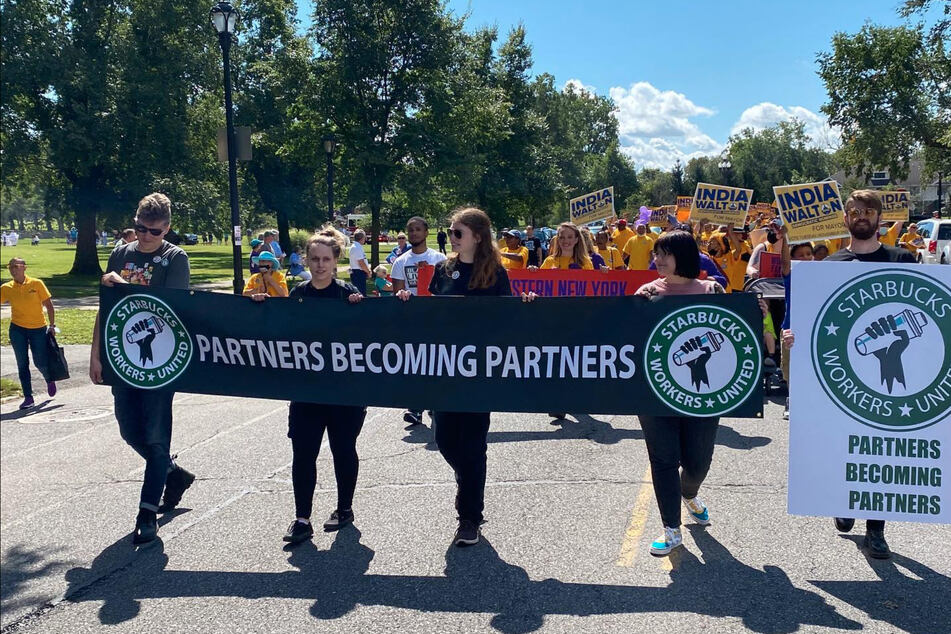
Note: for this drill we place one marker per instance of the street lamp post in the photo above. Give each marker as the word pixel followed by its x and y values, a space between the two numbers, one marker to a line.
pixel 225 18
pixel 330 144
pixel 726 169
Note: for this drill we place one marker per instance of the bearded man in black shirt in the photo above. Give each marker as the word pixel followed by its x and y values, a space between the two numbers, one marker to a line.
pixel 863 214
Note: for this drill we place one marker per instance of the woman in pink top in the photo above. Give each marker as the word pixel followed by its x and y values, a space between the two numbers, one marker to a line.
pixel 680 448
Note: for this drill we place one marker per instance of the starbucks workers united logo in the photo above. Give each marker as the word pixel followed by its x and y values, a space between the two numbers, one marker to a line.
pixel 703 361
pixel 881 347
pixel 147 346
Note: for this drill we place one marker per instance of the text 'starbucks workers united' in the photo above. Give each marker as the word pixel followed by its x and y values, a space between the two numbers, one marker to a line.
pixel 703 361
pixel 146 344
pixel 870 392
pixel 881 347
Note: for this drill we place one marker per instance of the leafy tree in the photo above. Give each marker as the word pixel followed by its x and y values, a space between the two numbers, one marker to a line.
pixel 776 155
pixel 888 92
pixel 374 60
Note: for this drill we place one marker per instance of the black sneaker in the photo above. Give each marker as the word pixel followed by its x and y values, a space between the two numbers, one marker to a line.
pixel 844 524
pixel 413 418
pixel 876 545
pixel 176 484
pixel 558 415
pixel 338 519
pixel 298 531
pixel 146 527
pixel 467 534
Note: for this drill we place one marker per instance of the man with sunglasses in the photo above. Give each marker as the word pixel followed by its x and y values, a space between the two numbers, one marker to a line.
pixel 145 416
pixel 404 275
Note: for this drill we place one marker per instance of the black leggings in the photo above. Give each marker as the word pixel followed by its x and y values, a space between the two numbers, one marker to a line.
pixel 306 425
pixel 461 438
pixel 674 442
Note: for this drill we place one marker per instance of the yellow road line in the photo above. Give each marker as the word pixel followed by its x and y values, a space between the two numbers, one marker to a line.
pixel 635 528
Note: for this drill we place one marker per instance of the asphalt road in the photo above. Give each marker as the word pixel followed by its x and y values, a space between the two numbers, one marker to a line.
pixel 571 515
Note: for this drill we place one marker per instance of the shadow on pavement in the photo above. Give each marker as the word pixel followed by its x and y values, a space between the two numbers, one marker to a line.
pixel 21 565
pixel 476 580
pixel 43 407
pixel 586 428
pixel 918 603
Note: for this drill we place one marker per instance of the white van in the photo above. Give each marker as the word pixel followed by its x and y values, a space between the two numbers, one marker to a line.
pixel 936 233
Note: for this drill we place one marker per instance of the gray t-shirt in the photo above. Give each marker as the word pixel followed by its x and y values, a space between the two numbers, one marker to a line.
pixel 165 267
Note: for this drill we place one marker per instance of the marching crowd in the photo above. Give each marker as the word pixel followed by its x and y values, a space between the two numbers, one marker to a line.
pixel 690 258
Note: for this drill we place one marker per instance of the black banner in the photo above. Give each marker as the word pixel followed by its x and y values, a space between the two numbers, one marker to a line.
pixel 697 355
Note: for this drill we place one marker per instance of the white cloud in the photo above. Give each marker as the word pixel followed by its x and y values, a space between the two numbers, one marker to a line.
pixel 766 114
pixel 578 86
pixel 655 126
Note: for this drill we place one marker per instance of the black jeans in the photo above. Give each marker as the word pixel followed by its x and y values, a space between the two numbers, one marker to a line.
pixel 461 438
pixel 145 423
pixel 21 340
pixel 674 442
pixel 306 425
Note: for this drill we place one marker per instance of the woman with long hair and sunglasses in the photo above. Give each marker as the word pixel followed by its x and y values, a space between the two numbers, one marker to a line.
pixel 680 448
pixel 569 250
pixel 474 269
pixel 308 421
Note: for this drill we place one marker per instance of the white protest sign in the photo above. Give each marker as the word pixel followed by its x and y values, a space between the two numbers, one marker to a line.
pixel 870 401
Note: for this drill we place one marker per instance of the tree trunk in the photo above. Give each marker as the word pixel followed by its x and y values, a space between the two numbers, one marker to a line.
pixel 86 199
pixel 376 203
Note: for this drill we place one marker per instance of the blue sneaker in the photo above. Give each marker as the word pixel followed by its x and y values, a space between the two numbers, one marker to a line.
pixel 698 511
pixel 667 542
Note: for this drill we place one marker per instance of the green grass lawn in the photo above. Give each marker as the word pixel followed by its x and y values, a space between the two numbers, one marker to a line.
pixel 9 387
pixel 51 260
pixel 75 326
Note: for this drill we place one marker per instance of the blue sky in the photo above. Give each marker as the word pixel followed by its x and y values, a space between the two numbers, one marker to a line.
pixel 685 74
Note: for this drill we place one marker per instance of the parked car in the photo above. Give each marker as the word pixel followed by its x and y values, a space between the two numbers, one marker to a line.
pixel 946 254
pixel 936 233
pixel 383 237
pixel 189 238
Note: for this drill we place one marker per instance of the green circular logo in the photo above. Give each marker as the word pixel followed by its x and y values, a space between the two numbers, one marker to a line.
pixel 880 348
pixel 703 360
pixel 147 346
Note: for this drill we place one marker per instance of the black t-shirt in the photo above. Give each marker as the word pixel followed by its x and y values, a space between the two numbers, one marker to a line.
pixel 441 237
pixel 456 281
pixel 885 253
pixel 338 289
pixel 166 267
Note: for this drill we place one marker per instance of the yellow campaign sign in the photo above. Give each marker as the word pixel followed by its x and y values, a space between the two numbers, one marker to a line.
pixel 895 205
pixel 597 205
pixel 683 208
pixel 720 205
pixel 811 211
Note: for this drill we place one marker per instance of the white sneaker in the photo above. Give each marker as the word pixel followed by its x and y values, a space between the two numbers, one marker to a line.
pixel 786 410
pixel 667 542
pixel 698 511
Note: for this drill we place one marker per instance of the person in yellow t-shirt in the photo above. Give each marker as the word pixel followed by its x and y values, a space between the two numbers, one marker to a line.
pixel 890 235
pixel 612 257
pixel 268 281
pixel 639 249
pixel 514 255
pixel 734 259
pixel 28 328
pixel 912 240
pixel 621 235
pixel 568 252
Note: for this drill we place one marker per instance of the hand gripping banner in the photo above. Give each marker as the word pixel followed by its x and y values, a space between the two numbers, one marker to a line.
pixel 697 355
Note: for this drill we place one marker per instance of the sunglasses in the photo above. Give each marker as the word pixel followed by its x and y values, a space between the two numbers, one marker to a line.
pixel 867 211
pixel 456 233
pixel 264 268
pixel 144 229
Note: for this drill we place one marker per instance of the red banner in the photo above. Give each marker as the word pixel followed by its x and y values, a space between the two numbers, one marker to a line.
pixel 557 283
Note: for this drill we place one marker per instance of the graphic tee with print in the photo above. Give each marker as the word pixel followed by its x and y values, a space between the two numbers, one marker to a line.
pixel 406 267
pixel 166 267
